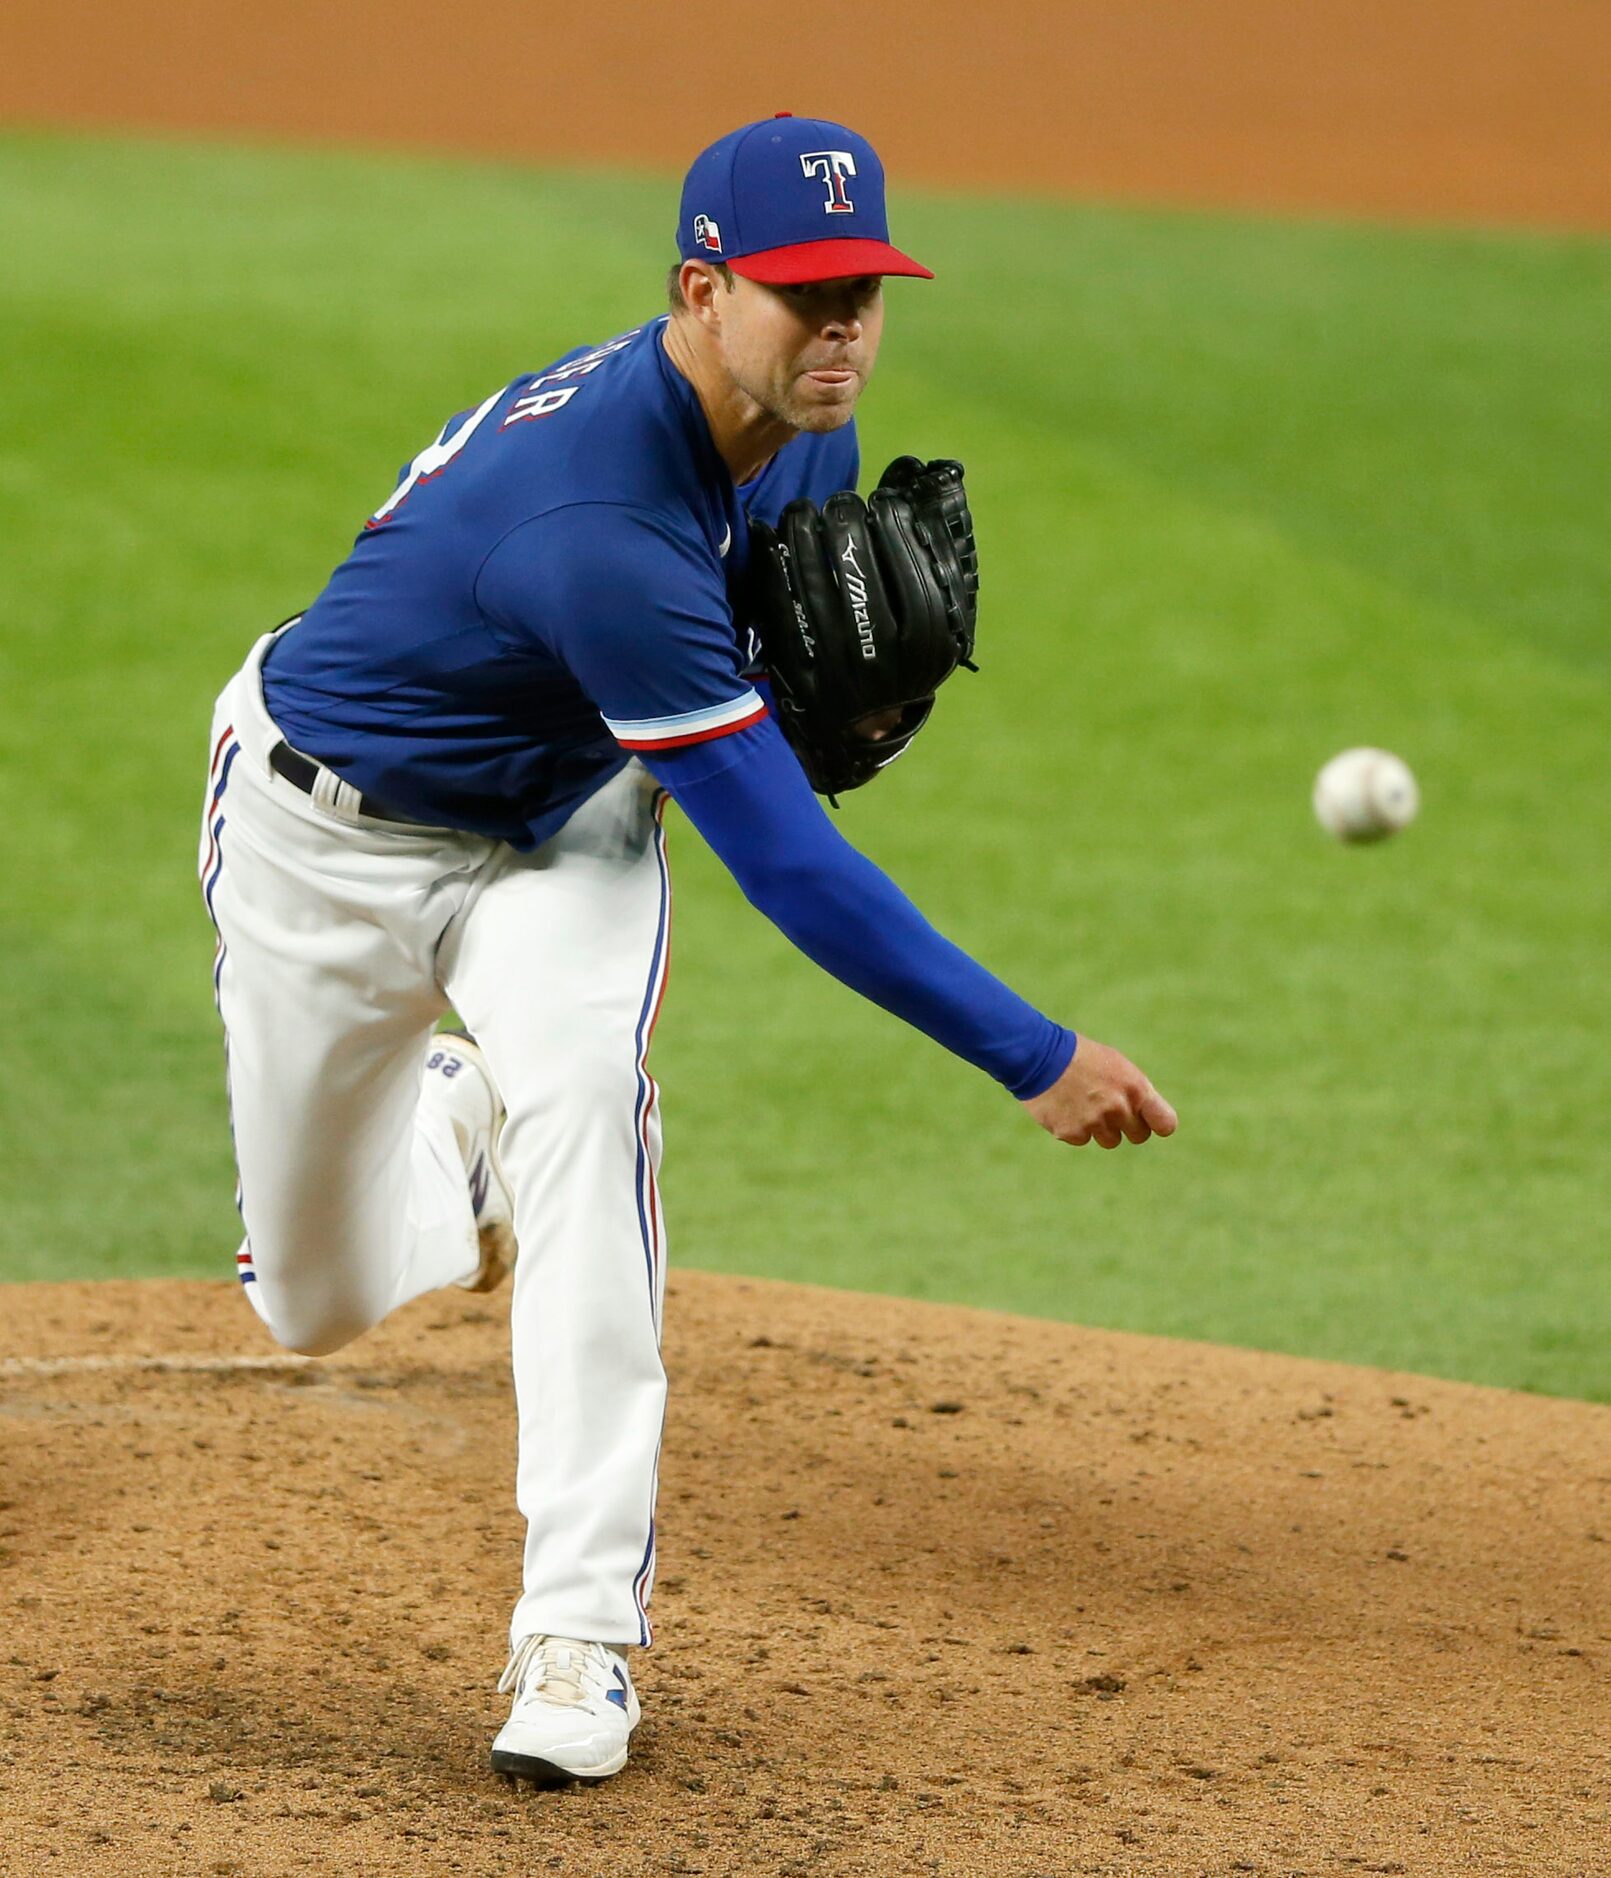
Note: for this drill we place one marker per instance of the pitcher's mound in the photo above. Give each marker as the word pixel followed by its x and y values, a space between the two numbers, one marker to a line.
pixel 940 1591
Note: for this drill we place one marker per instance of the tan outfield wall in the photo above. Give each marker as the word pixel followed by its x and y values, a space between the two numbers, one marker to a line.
pixel 1468 110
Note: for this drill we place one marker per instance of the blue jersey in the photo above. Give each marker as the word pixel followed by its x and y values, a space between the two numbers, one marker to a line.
pixel 549 588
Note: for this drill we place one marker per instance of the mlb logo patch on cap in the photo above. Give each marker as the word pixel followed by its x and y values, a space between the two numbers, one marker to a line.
pixel 788 200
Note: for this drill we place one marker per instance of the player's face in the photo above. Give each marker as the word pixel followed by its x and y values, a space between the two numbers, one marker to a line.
pixel 804 353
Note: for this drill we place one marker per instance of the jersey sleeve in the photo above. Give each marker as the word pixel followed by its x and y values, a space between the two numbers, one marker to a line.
pixel 637 612
pixel 750 800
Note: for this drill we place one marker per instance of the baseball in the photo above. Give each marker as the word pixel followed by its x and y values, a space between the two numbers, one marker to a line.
pixel 1365 795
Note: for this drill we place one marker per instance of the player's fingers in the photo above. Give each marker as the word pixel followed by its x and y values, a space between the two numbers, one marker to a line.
pixel 1136 1128
pixel 1157 1113
pixel 1106 1135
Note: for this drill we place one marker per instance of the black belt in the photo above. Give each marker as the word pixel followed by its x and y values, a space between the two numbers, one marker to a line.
pixel 302 773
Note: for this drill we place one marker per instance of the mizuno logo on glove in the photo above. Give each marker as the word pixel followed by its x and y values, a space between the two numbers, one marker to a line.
pixel 856 588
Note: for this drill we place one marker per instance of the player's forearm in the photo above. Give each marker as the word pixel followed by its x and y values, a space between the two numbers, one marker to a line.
pixel 752 805
pixel 847 916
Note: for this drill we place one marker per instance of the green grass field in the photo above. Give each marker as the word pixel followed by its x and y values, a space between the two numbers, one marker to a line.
pixel 1247 492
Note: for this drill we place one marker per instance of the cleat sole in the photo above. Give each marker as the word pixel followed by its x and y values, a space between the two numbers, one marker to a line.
pixel 517 1767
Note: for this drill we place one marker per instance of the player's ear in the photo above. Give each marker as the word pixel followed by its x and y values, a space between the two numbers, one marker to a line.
pixel 705 286
pixel 700 291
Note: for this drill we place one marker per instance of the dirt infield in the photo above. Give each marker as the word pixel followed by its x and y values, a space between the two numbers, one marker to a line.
pixel 941 1592
pixel 1468 109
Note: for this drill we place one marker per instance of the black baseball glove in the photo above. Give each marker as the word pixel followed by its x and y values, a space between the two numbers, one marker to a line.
pixel 864 610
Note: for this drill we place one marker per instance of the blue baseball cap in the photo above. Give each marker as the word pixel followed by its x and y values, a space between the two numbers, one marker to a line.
pixel 790 199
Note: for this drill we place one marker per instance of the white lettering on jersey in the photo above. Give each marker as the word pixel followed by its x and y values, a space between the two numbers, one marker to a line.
pixel 433 459
pixel 539 404
pixel 534 401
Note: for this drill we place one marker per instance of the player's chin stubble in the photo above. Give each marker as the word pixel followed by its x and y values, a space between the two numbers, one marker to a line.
pixel 803 411
pixel 784 396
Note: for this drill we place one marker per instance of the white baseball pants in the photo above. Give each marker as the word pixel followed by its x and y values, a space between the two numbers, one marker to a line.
pixel 341 941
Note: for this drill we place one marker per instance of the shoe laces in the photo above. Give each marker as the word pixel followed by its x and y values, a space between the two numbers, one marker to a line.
pixel 562 1670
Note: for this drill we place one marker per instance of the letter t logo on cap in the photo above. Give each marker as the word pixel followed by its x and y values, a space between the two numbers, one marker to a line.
pixel 833 166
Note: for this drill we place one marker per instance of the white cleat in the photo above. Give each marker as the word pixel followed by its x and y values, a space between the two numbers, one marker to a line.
pixel 574 1710
pixel 456 1075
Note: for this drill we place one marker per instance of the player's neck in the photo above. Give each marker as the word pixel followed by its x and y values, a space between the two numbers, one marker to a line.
pixel 746 437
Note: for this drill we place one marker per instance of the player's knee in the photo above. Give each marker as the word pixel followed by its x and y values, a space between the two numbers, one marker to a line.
pixel 319 1336
pixel 313 1322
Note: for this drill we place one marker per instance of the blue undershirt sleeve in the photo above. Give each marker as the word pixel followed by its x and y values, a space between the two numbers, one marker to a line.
pixel 748 797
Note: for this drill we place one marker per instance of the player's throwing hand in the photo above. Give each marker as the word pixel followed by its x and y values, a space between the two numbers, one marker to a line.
pixel 1101 1097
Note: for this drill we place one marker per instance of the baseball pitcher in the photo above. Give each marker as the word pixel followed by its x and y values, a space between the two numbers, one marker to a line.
pixel 639 574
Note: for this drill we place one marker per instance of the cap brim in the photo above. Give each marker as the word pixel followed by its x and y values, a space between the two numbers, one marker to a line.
pixel 825 260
